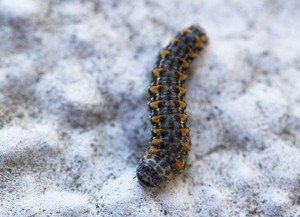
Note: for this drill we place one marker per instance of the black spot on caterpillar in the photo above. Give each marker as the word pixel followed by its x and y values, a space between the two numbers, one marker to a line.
pixel 170 143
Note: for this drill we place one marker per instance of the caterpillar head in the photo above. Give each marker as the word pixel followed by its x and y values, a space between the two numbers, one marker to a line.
pixel 147 176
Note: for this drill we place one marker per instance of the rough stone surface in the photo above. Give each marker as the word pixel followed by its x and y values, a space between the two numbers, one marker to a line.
pixel 73 122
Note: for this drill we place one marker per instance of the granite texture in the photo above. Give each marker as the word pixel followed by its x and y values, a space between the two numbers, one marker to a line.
pixel 73 123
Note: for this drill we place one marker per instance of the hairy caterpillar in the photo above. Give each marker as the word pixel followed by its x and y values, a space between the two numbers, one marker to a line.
pixel 170 143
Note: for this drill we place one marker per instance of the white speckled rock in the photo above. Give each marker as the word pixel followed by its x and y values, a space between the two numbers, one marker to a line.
pixel 73 122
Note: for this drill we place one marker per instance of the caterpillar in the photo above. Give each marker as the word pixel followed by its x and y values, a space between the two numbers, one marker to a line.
pixel 170 143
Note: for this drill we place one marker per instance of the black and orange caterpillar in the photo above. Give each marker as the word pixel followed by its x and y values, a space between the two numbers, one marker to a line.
pixel 170 143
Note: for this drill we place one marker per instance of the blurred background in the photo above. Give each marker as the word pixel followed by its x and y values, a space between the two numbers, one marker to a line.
pixel 73 117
